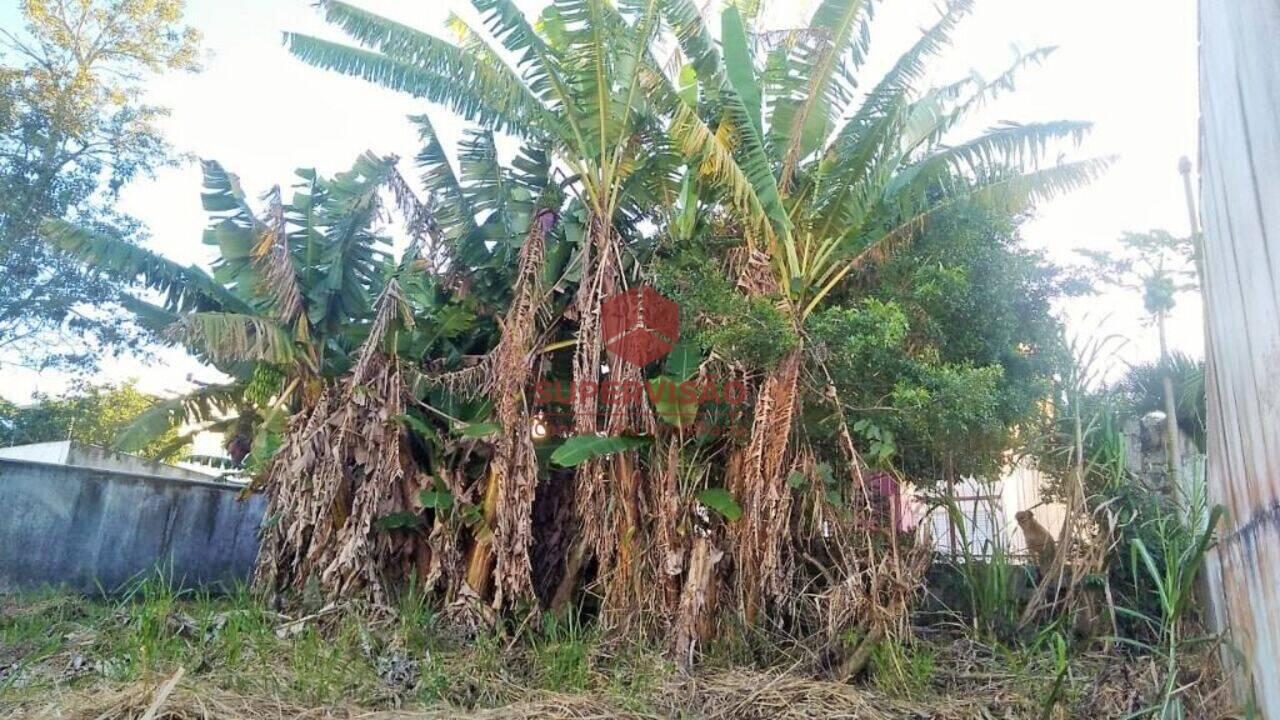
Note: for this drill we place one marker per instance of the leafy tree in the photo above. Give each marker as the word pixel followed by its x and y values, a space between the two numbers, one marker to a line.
pixel 91 414
pixel 952 347
pixel 74 129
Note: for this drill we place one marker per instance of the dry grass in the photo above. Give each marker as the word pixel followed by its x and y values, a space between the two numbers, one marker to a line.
pixel 748 695
pixel 188 699
pixel 726 694
pixel 158 655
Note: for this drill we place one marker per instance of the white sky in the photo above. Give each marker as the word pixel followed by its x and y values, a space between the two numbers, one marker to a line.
pixel 1127 65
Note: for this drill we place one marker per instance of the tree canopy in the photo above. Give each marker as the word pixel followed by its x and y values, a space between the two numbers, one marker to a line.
pixel 74 129
pixel 91 414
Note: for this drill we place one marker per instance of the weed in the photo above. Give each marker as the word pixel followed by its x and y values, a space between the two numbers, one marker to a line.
pixel 905 669
pixel 993 582
pixel 636 676
pixel 562 654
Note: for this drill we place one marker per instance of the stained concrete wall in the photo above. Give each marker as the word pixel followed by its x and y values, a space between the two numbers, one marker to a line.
pixel 88 529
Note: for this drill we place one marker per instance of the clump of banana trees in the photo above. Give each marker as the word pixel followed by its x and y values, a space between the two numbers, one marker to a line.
pixel 808 181
pixel 306 312
pixel 418 444
pixel 289 299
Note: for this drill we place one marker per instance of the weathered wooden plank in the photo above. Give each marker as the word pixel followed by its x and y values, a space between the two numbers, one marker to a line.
pixel 1240 196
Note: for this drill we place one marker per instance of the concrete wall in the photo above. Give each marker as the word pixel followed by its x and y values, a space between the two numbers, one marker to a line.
pixel 70 452
pixel 86 529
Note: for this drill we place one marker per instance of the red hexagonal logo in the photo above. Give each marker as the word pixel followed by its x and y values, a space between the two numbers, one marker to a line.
pixel 639 325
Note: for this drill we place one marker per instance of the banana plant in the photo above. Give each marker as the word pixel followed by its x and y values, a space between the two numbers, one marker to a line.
pixel 287 303
pixel 572 85
pixel 824 179
pixel 844 178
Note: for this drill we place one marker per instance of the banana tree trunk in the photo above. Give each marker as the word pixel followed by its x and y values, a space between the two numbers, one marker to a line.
pixel 479 564
pixel 760 535
pixel 697 602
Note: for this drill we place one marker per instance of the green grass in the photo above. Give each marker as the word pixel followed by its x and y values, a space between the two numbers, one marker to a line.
pixel 562 654
pixel 386 657
pixel 903 668
pixel 411 656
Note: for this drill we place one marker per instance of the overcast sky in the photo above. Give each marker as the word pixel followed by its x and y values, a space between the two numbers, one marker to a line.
pixel 1127 65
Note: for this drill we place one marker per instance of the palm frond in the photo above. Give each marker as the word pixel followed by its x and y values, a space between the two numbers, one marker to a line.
pixel 850 184
pixel 200 407
pixel 826 66
pixel 632 56
pixel 478 96
pixel 486 186
pixel 185 288
pixel 1006 145
pixel 234 230
pixel 1015 193
pixel 223 196
pixel 695 40
pixel 714 159
pixel 453 211
pixel 586 53
pixel 391 311
pixel 984 92
pixel 740 68
pixel 230 337
pixel 536 62
pixel 154 318
pixel 349 261
pixel 1009 193
pixel 1143 388
pixel 900 81
pixel 426 239
pixel 732 155
pixel 278 278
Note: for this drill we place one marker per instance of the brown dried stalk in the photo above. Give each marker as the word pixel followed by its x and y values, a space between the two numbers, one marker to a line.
pixel 343 464
pixel 759 537
pixel 514 469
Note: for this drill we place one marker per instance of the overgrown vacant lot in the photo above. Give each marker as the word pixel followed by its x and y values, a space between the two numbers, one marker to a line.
pixel 155 654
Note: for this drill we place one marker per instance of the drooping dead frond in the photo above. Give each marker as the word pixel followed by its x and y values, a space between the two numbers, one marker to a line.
pixel 467 383
pixel 275 268
pixel 755 275
pixel 598 280
pixel 759 536
pixel 515 466
pixel 426 240
pixel 231 337
pixel 342 465
pixel 391 307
